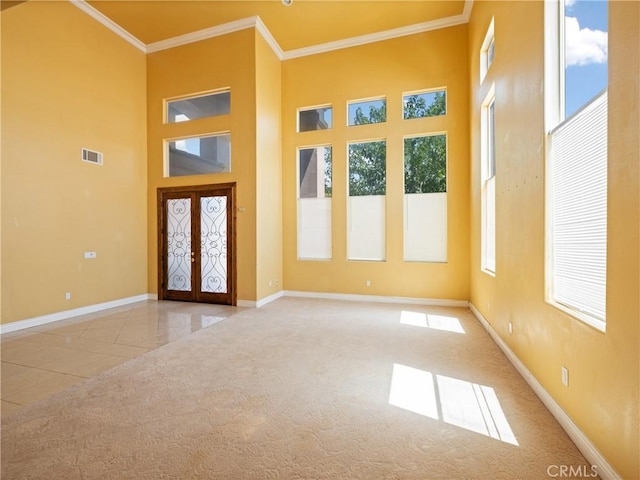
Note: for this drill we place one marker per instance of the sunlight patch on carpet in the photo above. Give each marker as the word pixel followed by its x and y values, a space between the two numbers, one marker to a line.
pixel 429 320
pixel 464 404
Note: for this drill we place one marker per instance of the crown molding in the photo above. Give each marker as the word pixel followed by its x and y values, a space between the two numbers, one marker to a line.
pixel 379 36
pixel 466 11
pixel 110 24
pixel 224 29
pixel 257 23
pixel 266 34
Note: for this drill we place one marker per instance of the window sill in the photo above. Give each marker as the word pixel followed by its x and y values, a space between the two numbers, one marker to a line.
pixel 595 323
pixel 488 272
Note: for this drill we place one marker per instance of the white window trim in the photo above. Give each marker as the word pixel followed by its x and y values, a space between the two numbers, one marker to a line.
pixel 554 112
pixel 484 178
pixel 484 51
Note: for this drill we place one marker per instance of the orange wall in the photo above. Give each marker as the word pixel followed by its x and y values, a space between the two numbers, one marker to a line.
pixel 68 83
pixel 389 68
pixel 602 396
pixel 269 170
pixel 221 62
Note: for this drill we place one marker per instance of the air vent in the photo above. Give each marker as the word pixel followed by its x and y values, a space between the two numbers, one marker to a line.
pixel 91 156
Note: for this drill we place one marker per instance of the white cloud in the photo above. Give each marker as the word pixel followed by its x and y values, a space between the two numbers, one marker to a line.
pixel 584 46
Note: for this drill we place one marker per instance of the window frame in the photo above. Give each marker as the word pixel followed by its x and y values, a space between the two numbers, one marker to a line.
pixel 167 101
pixel 311 108
pixel 166 164
pixel 423 92
pixel 487 174
pixel 554 119
pixel 489 40
pixel 367 100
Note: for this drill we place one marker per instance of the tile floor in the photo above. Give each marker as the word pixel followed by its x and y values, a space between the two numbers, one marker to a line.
pixel 40 361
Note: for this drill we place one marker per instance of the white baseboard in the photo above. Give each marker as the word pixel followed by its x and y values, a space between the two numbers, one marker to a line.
pixel 54 317
pixel 263 301
pixel 377 298
pixel 586 447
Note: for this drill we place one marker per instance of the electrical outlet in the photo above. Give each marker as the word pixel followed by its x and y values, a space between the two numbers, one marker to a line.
pixel 89 254
pixel 565 376
pixel 510 328
pixel 270 283
pixel 67 296
pixel 368 283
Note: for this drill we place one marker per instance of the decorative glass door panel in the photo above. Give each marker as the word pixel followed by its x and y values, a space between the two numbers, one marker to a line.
pixel 213 245
pixel 197 244
pixel 179 244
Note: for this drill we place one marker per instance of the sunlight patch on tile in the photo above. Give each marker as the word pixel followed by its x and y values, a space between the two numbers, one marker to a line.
pixel 429 320
pixel 208 320
pixel 464 404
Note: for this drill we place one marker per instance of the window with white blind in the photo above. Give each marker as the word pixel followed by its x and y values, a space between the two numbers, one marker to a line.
pixel 576 167
pixel 578 213
pixel 314 203
pixel 488 185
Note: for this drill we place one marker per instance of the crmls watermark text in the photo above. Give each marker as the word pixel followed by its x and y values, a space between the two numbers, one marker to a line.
pixel 569 471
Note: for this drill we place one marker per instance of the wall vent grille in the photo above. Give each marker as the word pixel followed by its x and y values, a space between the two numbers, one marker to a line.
pixel 91 156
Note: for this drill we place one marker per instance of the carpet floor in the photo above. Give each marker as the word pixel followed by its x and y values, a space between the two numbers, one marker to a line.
pixel 300 389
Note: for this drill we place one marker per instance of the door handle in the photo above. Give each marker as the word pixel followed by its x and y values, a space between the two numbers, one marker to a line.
pixel 193 257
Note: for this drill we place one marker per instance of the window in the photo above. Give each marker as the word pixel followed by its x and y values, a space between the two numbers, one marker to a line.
pixel 585 52
pixel 317 118
pixel 314 203
pixel 488 184
pixel 487 51
pixel 427 104
pixel 425 198
pixel 198 155
pixel 365 112
pixel 576 52
pixel 366 203
pixel 192 108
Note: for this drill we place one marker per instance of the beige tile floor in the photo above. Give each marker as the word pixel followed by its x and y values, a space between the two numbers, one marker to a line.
pixel 40 361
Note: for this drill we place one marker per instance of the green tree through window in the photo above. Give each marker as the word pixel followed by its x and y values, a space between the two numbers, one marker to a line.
pixel 425 164
pixel 425 105
pixel 368 160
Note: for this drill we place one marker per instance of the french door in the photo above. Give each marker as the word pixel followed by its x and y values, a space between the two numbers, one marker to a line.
pixel 196 244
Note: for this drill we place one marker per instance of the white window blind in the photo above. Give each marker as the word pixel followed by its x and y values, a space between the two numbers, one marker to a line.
pixel 578 198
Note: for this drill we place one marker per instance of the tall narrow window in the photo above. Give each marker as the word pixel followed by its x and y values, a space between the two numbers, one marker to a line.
pixel 488 185
pixel 314 203
pixel 585 52
pixel 576 50
pixel 366 203
pixel 487 51
pixel 425 198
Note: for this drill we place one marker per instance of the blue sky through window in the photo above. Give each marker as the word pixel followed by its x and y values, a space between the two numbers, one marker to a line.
pixel 586 50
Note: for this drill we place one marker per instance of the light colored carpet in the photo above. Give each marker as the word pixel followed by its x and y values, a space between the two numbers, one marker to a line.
pixel 299 389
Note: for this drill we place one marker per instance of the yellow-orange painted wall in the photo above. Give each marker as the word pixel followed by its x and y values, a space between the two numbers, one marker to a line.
pixel 222 62
pixel 68 83
pixel 390 68
pixel 602 396
pixel 269 170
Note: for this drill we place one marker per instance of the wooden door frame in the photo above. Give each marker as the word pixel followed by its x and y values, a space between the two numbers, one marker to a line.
pixel 164 193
